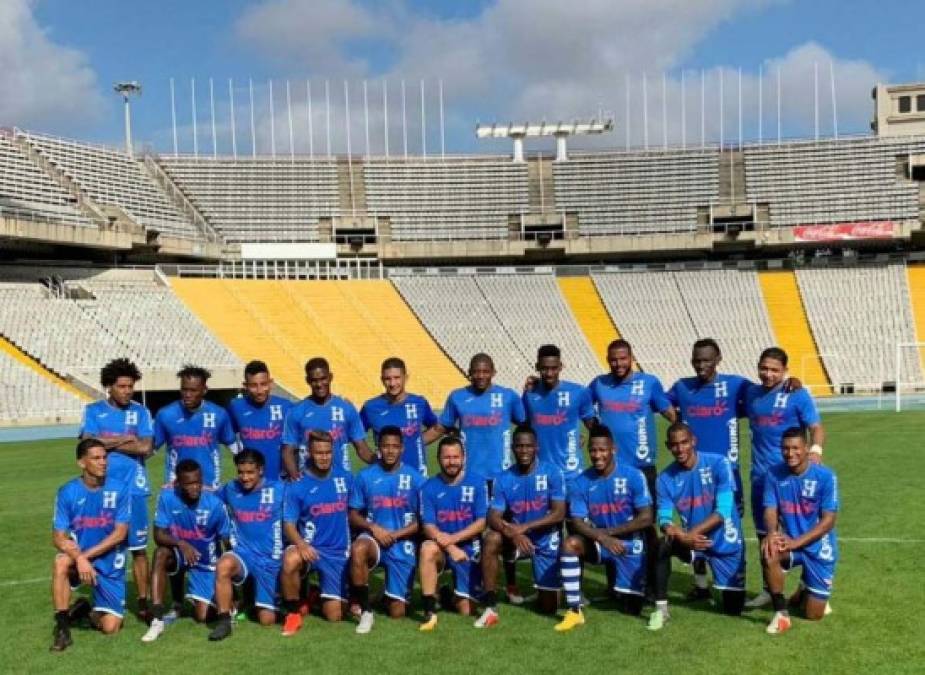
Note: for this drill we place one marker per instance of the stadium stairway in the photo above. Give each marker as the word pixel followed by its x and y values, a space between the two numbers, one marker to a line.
pixel 586 304
pixel 354 324
pixel 791 328
pixel 17 354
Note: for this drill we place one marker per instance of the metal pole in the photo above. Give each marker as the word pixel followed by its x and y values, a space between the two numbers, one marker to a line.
pixel 703 109
pixel 423 124
pixel 898 402
pixel 834 100
pixel 664 110
pixel 289 111
pixel 366 115
pixel 722 135
pixel 311 130
pixel 442 131
pixel 234 133
pixel 272 123
pixel 212 111
pixel 128 126
pixel 760 103
pixel 404 120
pixel 778 106
pixel 173 118
pixel 816 100
pixel 628 119
pixel 193 105
pixel 250 86
pixel 683 111
pixel 385 117
pixel 645 114
pixel 327 113
pixel 740 107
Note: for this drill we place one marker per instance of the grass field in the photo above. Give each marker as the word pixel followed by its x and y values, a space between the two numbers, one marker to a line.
pixel 876 626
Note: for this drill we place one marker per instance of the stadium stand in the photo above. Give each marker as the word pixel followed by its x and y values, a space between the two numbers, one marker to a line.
pixel 431 199
pixel 590 313
pixel 31 394
pixel 636 192
pixel 916 278
pixel 260 199
pixel 111 177
pixel 787 316
pixel 858 315
pixel 832 181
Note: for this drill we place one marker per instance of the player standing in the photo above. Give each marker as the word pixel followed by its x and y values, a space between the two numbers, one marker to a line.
pixel 323 411
pixel 125 428
pixel 258 417
pixel 90 525
pixel 396 407
pixel 609 509
pixel 698 487
pixel 454 506
pixel 800 509
pixel 192 428
pixel 384 506
pixel 190 526
pixel 315 523
pixel 255 504
pixel 533 494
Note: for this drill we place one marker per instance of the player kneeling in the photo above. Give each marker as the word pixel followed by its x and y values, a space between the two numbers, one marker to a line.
pixel 700 488
pixel 256 507
pixel 384 509
pixel 190 526
pixel 533 494
pixel 454 504
pixel 610 508
pixel 315 523
pixel 800 508
pixel 90 527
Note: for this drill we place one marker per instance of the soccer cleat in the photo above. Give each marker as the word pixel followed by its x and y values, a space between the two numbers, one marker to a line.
pixel 154 630
pixel 828 609
pixel 696 594
pixel 658 619
pixel 171 616
pixel 62 639
pixel 366 623
pixel 430 622
pixel 292 624
pixel 513 595
pixel 221 631
pixel 79 611
pixel 763 599
pixel 488 619
pixel 779 624
pixel 571 619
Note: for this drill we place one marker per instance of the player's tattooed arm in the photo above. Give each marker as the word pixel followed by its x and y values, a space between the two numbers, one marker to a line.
pixel 473 530
pixel 823 527
pixel 555 516
pixel 364 452
pixel 406 532
pixel 127 444
pixel 162 537
pixel 696 537
pixel 359 523
pixel 433 433
pixel 641 520
pixel 65 544
pixel 306 550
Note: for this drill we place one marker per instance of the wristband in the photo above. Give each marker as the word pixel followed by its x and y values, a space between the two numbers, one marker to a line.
pixel 815 449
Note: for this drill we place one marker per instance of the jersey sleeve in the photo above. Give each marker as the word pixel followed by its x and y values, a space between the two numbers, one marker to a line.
pixel 145 424
pixel 658 401
pixel 481 501
pixel 586 404
pixel 666 505
pixel 428 510
pixel 806 408
pixel 771 499
pixel 357 498
pixel 355 429
pixel 226 432
pixel 223 522
pixel 829 497
pixel 233 415
pixel 518 411
pixel 291 432
pixel 641 496
pixel 364 417
pixel 161 512
pixel 88 424
pixel 578 500
pixel 428 419
pixel 499 498
pixel 291 506
pixel 124 505
pixel 61 520
pixel 161 432
pixel 449 415
pixel 556 486
pixel 672 394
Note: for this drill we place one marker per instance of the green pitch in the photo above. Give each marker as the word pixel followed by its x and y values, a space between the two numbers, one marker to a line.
pixel 878 600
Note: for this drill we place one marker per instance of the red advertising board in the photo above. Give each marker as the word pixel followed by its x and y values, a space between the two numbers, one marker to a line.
pixel 878 229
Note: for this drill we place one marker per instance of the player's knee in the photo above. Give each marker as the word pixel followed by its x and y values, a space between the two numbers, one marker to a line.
pixel 292 561
pixel 266 617
pixel 572 545
pixel 397 609
pixel 333 610
pixel 162 556
pixel 109 624
pixel 815 608
pixel 201 612
pixel 226 567
pixel 430 552
pixel 492 542
pixel 62 565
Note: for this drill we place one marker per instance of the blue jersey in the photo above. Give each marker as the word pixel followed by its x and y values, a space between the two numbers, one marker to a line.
pixel 318 508
pixel 529 496
pixel 556 416
pixel 694 493
pixel 626 407
pixel 193 435
pixel 712 410
pixel 451 507
pixel 609 500
pixel 484 420
pixel 389 498
pixel 89 516
pixel 771 412
pixel 256 517
pixel 800 501
pixel 260 427
pixel 103 419
pixel 337 416
pixel 202 525
pixel 412 416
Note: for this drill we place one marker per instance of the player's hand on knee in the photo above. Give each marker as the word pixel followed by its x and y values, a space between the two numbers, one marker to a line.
pixel 85 571
pixel 382 536
pixel 456 553
pixel 308 553
pixel 612 544
pixel 442 539
pixel 189 553
pixel 523 544
pixel 700 542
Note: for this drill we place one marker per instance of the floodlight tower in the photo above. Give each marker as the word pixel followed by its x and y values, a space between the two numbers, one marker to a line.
pixel 125 90
pixel 559 130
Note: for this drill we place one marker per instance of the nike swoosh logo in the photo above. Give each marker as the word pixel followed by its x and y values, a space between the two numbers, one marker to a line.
pixel 313 491
pixel 441 495
pixel 383 413
pixel 248 413
pixel 469 400
pixel 81 501
pixel 176 513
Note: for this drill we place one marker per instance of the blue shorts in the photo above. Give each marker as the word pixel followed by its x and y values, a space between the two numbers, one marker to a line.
pixel 399 562
pixel 630 567
pixel 333 568
pixel 728 570
pixel 817 576
pixel 138 525
pixel 200 581
pixel 108 595
pixel 467 575
pixel 758 505
pixel 545 565
pixel 265 572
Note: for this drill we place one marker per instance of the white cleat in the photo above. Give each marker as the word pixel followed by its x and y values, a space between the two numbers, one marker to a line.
pixel 154 630
pixel 763 599
pixel 779 624
pixel 488 618
pixel 367 619
pixel 828 609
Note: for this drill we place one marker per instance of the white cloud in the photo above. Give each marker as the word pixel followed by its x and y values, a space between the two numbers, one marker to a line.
pixel 42 84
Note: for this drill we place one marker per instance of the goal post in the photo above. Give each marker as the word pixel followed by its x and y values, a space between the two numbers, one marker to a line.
pixel 909 381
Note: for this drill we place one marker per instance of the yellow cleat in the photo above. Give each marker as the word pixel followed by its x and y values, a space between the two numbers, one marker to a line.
pixel 570 620
pixel 429 625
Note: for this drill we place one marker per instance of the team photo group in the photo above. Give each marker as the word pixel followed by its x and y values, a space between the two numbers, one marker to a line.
pixel 561 475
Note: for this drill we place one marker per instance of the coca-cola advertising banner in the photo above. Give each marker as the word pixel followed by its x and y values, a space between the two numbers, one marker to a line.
pixel 879 229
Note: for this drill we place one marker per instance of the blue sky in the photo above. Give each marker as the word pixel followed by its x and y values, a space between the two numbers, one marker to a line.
pixel 498 60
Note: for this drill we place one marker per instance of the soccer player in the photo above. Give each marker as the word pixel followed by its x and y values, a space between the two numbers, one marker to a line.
pixel 258 416
pixel 255 504
pixel 190 528
pixel 323 411
pixel 315 523
pixel 699 487
pixel 556 409
pixel 800 508
pixel 125 428
pixel 396 407
pixel 609 509
pixel 90 526
pixel 454 506
pixel 772 409
pixel 532 494
pixel 384 510
pixel 192 428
